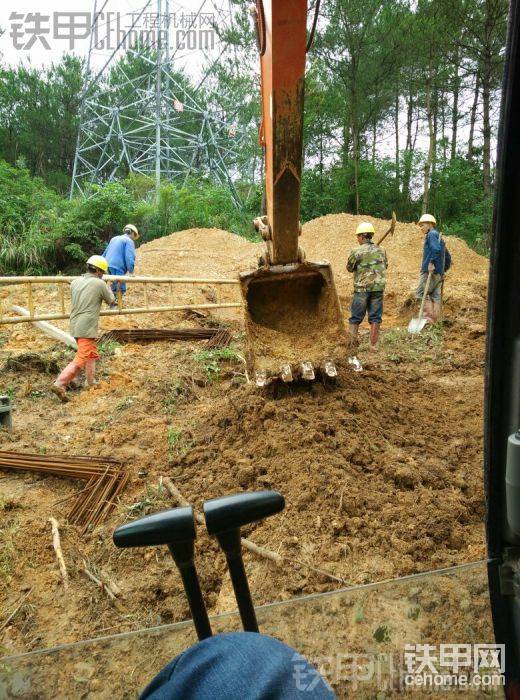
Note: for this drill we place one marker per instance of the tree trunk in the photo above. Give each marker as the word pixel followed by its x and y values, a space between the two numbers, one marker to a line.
pixel 355 145
pixel 396 118
pixel 443 127
pixel 473 118
pixel 344 160
pixel 486 130
pixel 431 148
pixel 407 169
pixel 374 138
pixel 455 108
pixel 321 158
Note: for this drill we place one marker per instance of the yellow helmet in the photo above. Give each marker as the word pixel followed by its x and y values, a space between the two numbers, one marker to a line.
pixel 99 262
pixel 130 228
pixel 365 228
pixel 427 219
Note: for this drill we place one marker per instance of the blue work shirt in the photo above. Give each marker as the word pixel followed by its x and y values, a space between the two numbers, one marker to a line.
pixel 120 255
pixel 434 251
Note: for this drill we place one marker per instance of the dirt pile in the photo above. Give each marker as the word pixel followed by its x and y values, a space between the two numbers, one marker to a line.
pixel 213 252
pixel 371 481
pixel 331 237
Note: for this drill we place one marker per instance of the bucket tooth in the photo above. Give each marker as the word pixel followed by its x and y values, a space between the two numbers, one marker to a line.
pixel 286 373
pixel 261 378
pixel 307 370
pixel 355 363
pixel 329 368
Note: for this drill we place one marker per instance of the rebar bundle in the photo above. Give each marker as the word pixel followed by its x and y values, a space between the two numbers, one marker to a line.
pixel 216 337
pixel 105 477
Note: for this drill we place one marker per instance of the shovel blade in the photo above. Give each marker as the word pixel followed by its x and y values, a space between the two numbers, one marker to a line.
pixel 416 325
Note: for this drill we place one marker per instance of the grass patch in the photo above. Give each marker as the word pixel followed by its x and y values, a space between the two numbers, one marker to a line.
pixel 211 360
pixel 382 634
pixel 124 403
pixel 9 391
pixel 178 391
pixel 150 501
pixel 401 346
pixel 178 444
pixel 107 348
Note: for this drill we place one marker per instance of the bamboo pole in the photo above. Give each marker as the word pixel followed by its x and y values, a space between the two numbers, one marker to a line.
pixel 30 300
pixel 61 288
pixel 125 312
pixel 146 300
pixel 47 328
pixel 48 279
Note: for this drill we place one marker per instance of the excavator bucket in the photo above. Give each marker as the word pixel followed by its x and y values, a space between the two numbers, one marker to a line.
pixel 294 325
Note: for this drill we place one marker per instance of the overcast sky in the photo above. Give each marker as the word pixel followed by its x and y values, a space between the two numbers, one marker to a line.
pixel 49 46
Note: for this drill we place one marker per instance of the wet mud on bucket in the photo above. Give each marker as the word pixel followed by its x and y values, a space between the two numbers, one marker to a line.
pixel 292 316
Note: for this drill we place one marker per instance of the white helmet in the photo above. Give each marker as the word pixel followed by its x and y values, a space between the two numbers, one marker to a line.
pixel 427 219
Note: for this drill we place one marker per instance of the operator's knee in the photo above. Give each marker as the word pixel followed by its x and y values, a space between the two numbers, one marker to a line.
pixel 236 666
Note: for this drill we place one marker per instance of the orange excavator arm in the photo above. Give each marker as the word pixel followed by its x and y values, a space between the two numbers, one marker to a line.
pixel 294 326
pixel 282 38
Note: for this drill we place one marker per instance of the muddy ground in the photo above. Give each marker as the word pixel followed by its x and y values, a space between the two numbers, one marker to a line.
pixel 381 469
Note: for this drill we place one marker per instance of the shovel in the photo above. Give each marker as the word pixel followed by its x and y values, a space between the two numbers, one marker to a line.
pixel 417 324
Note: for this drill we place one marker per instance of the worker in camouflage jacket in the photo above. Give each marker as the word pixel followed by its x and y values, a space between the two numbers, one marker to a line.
pixel 368 262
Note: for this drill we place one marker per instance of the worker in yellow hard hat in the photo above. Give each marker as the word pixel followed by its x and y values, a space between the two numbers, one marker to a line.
pixel 87 293
pixel 368 262
pixel 436 261
pixel 120 254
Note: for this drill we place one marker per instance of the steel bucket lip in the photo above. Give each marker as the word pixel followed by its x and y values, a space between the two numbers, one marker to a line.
pixel 293 270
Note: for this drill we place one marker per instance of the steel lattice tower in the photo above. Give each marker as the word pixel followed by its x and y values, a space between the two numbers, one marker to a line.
pixel 155 123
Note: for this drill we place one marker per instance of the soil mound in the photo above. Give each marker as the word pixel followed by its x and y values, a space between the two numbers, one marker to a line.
pixel 361 470
pixel 332 236
pixel 217 253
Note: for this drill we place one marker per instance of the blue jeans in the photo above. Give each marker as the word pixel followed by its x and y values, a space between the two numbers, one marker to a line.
pixel 115 271
pixel 238 666
pixel 367 301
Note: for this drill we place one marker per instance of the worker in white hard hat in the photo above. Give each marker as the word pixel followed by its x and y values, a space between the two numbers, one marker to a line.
pixel 436 260
pixel 368 262
pixel 120 255
pixel 87 294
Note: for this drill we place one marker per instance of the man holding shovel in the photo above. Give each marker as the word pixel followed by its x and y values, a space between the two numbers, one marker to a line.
pixel 436 261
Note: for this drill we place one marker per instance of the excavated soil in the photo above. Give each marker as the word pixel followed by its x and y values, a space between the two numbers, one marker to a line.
pixel 292 318
pixel 381 469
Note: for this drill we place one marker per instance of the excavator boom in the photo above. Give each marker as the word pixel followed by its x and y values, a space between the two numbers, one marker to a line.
pixel 293 318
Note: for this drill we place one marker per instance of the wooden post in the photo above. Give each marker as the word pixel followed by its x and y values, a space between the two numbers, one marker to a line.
pixel 62 297
pixel 30 300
